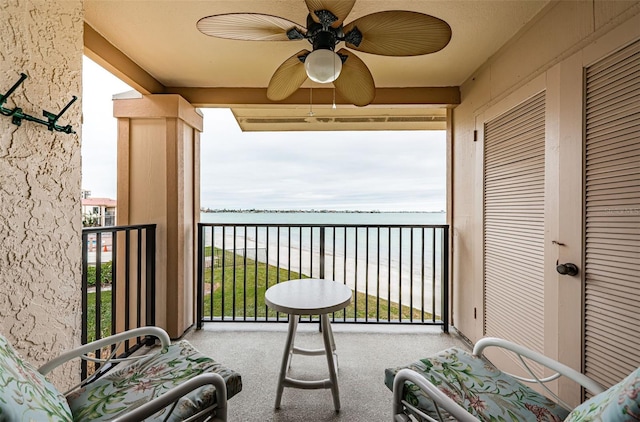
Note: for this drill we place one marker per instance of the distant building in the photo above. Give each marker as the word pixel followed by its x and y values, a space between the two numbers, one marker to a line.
pixel 98 212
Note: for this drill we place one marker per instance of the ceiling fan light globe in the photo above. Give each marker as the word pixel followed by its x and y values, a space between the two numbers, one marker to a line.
pixel 323 66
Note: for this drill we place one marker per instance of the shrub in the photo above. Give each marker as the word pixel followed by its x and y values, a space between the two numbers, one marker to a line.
pixel 106 274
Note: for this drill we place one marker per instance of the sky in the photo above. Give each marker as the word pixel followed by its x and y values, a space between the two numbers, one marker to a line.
pixel 356 170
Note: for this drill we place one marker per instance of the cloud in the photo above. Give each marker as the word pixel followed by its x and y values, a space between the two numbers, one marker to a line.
pixel 99 129
pixel 376 170
pixel 402 170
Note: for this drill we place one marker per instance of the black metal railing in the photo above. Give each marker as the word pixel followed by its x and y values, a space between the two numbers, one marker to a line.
pixel 398 273
pixel 118 281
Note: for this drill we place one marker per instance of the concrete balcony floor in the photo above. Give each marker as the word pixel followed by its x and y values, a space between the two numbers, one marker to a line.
pixel 255 350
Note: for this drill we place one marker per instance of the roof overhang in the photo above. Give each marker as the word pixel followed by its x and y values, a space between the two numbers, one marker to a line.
pixel 156 48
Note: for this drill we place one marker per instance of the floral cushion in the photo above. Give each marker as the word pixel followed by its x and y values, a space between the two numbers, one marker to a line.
pixel 619 403
pixel 25 394
pixel 479 387
pixel 128 388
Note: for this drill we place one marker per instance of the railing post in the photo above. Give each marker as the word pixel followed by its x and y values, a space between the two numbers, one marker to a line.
pixel 138 287
pixel 98 290
pixel 114 276
pixel 150 276
pixel 85 310
pixel 321 260
pixel 127 280
pixel 321 252
pixel 200 282
pixel 445 279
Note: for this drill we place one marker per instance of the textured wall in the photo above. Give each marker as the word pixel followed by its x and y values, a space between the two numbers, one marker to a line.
pixel 40 175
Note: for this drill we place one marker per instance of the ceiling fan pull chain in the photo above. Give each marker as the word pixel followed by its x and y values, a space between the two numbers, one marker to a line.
pixel 334 87
pixel 334 99
pixel 311 101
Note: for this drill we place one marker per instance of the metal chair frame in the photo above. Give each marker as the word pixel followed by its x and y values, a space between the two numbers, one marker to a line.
pixel 216 413
pixel 402 409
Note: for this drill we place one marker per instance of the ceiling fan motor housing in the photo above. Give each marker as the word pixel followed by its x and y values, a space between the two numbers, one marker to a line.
pixel 324 40
pixel 322 35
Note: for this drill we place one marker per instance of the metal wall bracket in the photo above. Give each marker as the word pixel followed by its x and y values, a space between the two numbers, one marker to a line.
pixel 17 116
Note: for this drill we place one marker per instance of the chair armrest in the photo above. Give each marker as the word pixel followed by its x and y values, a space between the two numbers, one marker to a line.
pixel 521 351
pixel 107 341
pixel 166 399
pixel 439 398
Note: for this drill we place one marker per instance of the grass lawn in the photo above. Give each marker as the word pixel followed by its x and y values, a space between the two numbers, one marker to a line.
pixel 245 289
pixel 105 315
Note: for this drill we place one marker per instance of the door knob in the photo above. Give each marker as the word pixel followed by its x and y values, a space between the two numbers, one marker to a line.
pixel 567 269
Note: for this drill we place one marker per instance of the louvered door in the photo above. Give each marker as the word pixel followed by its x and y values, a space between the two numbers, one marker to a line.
pixel 514 172
pixel 612 204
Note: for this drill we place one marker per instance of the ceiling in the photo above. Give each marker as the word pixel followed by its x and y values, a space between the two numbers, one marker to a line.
pixel 156 48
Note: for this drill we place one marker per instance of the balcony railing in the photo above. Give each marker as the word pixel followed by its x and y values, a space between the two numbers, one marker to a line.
pixel 398 273
pixel 118 281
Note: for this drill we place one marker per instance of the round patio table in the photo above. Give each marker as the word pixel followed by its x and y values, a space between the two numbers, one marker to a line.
pixel 309 297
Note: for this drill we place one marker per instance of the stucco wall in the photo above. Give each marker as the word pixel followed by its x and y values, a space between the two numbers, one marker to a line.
pixel 40 175
pixel 548 54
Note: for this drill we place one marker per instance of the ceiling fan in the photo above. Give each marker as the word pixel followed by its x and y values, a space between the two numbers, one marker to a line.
pixel 388 33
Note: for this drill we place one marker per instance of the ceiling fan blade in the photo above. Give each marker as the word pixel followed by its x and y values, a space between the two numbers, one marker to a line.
pixel 340 9
pixel 399 33
pixel 289 76
pixel 248 26
pixel 355 83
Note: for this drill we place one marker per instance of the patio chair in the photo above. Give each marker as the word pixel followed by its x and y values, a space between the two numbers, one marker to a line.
pixel 172 382
pixel 462 386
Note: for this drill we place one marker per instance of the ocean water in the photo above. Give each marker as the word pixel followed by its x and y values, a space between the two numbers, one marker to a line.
pixel 377 218
pixel 390 245
pixel 384 237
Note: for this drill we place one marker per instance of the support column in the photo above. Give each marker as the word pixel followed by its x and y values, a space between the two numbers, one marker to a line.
pixel 159 183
